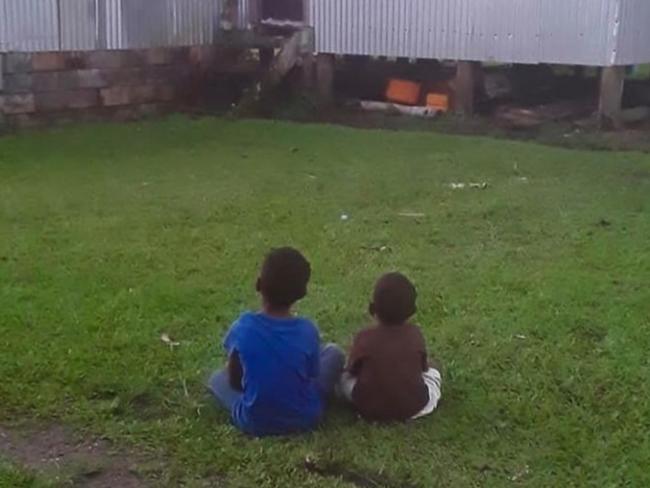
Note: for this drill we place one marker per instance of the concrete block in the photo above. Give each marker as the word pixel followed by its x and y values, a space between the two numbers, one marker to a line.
pixel 126 76
pixel 68 80
pixel 46 81
pixel 66 100
pixel 116 95
pixel 48 61
pixel 17 104
pixel 105 59
pixel 136 95
pixel 202 55
pixel 85 78
pixel 17 83
pixel 158 56
pixel 127 95
pixel 24 121
pixel 133 58
pixel 165 93
pixel 76 60
pixel 180 55
pixel 167 74
pixel 181 74
pixel 115 59
pixel 18 63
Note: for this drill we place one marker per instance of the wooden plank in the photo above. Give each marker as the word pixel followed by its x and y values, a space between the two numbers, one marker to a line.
pixel 325 75
pixel 280 65
pixel 610 104
pixel 466 80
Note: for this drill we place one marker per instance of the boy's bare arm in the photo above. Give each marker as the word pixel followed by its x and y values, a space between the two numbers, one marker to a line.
pixel 235 371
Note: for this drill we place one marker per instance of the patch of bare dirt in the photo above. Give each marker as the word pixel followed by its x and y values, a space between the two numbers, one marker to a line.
pixel 54 451
pixel 354 476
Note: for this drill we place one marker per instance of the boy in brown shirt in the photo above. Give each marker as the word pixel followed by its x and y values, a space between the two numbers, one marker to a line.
pixel 388 377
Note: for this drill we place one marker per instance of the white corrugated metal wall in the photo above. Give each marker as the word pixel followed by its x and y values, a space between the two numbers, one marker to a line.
pixel 513 31
pixel 77 22
pixel 590 32
pixel 633 46
pixel 70 25
pixel 30 25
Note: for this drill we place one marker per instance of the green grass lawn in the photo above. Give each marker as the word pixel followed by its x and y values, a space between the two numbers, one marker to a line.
pixel 534 293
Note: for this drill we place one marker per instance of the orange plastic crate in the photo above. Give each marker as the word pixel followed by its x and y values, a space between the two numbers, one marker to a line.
pixel 439 101
pixel 403 91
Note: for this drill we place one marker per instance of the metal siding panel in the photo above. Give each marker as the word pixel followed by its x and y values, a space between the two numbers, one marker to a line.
pixel 632 45
pixel 71 25
pixel 4 29
pixel 147 24
pixel 192 22
pixel 517 31
pixel 112 29
pixel 575 31
pixel 30 25
pixel 78 24
pixel 597 32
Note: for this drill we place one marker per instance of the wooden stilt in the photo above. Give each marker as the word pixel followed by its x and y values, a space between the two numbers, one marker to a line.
pixel 308 69
pixel 467 75
pixel 325 75
pixel 612 82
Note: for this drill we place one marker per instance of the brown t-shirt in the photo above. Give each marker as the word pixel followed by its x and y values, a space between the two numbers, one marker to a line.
pixel 388 362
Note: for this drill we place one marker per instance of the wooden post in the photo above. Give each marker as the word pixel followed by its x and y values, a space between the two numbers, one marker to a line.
pixel 307 47
pixel 325 75
pixel 466 81
pixel 2 65
pixel 308 69
pixel 612 82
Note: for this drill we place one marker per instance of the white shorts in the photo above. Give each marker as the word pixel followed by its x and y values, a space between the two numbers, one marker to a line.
pixel 432 379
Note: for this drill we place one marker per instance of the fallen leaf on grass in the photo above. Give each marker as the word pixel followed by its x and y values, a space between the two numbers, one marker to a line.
pixel 475 186
pixel 376 248
pixel 520 337
pixel 169 341
pixel 520 474
pixel 413 215
pixel 479 186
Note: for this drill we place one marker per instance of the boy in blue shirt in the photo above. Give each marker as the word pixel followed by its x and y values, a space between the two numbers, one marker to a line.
pixel 278 375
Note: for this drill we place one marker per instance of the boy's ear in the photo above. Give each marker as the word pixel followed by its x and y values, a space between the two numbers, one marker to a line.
pixel 258 285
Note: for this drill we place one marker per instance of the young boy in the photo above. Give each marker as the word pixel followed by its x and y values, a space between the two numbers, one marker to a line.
pixel 388 377
pixel 277 375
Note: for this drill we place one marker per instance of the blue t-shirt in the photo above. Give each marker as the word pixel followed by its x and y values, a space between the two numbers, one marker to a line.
pixel 280 360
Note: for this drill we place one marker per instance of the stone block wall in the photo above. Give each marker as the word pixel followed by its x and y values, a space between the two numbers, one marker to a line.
pixel 45 87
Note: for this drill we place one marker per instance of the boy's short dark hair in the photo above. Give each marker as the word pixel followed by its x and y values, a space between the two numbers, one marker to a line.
pixel 393 300
pixel 284 277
